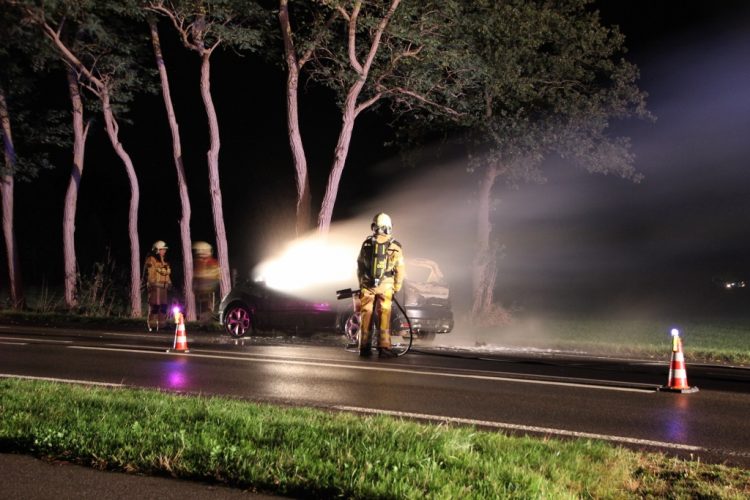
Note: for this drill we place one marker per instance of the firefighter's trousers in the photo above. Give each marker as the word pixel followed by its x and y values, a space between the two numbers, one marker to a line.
pixel 379 298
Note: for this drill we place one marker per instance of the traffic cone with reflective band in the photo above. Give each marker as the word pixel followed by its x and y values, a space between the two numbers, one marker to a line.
pixel 677 381
pixel 180 337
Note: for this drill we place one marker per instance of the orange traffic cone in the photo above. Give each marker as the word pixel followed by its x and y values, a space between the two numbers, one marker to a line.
pixel 180 337
pixel 677 381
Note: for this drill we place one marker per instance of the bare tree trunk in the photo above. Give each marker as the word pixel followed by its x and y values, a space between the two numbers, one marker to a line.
pixel 351 108
pixel 339 159
pixel 185 238
pixel 295 136
pixel 71 195
pixel 102 91
pixel 213 175
pixel 15 286
pixel 135 251
pixel 485 259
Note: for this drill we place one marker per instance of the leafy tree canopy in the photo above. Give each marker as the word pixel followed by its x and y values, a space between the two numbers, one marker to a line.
pixel 540 78
pixel 111 49
pixel 25 61
pixel 553 79
pixel 207 24
pixel 418 63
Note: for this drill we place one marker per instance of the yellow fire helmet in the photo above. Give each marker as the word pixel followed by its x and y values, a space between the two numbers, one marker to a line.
pixel 381 224
pixel 158 245
pixel 202 248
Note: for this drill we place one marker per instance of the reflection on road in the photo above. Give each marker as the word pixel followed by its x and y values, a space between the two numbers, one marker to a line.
pixel 175 373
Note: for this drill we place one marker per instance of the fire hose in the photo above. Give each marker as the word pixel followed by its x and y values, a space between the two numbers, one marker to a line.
pixel 348 293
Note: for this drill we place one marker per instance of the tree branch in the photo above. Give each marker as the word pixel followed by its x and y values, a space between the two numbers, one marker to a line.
pixel 353 38
pixel 60 27
pixel 425 100
pixel 65 52
pixel 309 52
pixel 378 35
pixel 178 22
pixel 286 36
pixel 366 104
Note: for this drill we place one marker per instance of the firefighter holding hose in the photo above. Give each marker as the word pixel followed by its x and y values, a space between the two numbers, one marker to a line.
pixel 380 269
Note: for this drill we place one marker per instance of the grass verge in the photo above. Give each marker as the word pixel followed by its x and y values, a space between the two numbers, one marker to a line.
pixel 707 341
pixel 312 453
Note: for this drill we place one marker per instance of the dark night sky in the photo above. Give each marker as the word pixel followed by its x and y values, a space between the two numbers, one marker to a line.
pixel 684 225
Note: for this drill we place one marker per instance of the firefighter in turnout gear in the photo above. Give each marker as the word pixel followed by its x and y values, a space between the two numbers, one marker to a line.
pixel 158 282
pixel 380 269
pixel 206 276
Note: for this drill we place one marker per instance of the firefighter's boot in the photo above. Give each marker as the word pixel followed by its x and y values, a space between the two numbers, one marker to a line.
pixel 365 348
pixel 385 339
pixel 384 344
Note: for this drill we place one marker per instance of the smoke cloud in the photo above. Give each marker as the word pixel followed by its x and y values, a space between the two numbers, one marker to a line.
pixel 582 242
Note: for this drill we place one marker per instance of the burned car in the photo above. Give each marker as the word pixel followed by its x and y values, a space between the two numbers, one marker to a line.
pixel 424 296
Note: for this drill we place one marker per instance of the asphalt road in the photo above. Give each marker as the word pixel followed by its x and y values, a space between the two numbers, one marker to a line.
pixel 557 395
pixel 27 477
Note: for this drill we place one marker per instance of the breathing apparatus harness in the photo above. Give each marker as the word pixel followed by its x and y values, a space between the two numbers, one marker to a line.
pixel 374 263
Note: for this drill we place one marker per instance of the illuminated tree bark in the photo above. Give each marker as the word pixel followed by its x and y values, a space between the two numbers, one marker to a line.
pixel 185 238
pixel 7 193
pixel 101 89
pixel 351 107
pixel 294 65
pixel 193 27
pixel 387 51
pixel 135 194
pixel 80 133
pixel 485 258
pixel 222 251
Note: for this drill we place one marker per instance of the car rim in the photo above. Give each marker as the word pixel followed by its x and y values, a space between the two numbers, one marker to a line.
pixel 352 327
pixel 238 322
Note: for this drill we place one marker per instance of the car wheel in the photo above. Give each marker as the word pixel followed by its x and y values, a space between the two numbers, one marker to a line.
pixel 427 337
pixel 352 327
pixel 238 321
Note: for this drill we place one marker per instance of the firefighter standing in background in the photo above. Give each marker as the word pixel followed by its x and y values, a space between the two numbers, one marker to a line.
pixel 158 283
pixel 205 279
pixel 380 269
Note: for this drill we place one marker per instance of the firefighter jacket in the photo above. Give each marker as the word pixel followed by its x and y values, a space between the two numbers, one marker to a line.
pixel 380 262
pixel 205 274
pixel 158 272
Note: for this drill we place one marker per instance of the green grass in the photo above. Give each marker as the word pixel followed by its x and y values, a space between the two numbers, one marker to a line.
pixel 313 453
pixel 723 341
pixel 709 341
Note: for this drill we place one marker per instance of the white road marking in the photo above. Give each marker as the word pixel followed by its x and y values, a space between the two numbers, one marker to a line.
pixel 131 346
pixel 61 380
pixel 13 343
pixel 287 361
pixel 38 340
pixel 525 428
